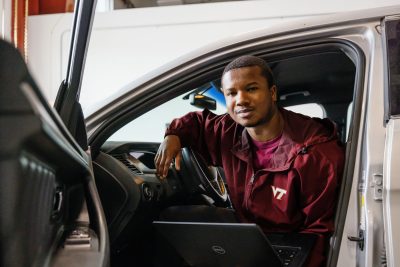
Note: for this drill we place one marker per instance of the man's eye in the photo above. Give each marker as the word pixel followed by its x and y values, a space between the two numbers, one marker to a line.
pixel 250 89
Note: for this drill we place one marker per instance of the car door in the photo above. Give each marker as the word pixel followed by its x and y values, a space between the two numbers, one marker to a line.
pixel 391 181
pixel 51 214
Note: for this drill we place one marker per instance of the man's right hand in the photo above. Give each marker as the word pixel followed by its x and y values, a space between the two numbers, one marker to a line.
pixel 169 149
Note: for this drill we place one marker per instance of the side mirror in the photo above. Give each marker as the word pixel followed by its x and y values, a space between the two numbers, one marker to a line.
pixel 202 101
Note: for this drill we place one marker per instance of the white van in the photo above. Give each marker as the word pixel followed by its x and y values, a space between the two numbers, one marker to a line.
pixel 53 194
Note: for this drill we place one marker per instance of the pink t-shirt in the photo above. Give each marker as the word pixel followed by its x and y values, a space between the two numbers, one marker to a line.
pixel 263 152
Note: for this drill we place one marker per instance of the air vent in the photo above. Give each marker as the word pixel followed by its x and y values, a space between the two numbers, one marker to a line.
pixel 127 163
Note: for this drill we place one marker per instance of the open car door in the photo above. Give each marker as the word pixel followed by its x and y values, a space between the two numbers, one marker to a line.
pixel 51 214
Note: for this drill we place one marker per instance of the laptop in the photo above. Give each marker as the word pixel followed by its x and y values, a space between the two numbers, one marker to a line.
pixel 234 244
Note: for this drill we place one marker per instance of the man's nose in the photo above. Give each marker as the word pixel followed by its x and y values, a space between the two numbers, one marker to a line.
pixel 242 98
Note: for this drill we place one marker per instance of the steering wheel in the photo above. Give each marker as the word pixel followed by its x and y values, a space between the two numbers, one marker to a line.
pixel 205 179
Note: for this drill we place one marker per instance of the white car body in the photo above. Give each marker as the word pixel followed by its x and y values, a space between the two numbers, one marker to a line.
pixel 370 210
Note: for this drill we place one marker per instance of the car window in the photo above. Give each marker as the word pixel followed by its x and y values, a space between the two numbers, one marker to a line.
pixel 349 118
pixel 151 126
pixel 312 110
pixel 392 30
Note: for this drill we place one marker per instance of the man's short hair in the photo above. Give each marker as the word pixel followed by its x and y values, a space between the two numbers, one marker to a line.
pixel 250 61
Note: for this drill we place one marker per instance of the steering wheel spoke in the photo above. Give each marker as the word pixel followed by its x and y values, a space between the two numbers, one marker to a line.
pixel 208 177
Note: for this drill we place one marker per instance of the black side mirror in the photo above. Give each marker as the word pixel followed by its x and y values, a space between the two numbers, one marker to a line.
pixel 202 101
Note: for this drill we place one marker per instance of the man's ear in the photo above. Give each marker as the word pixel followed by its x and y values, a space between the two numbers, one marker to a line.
pixel 274 93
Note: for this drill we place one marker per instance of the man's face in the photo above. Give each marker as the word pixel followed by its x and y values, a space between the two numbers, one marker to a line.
pixel 249 100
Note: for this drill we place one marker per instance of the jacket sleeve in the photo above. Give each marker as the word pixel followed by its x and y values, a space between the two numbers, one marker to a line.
pixel 202 131
pixel 321 175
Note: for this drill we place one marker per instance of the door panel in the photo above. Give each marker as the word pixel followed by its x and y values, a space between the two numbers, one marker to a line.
pixel 46 183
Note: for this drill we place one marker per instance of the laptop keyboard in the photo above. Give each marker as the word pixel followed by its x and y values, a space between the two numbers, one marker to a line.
pixel 287 254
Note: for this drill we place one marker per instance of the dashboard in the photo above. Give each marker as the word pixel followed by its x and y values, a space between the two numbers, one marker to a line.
pixel 133 196
pixel 138 159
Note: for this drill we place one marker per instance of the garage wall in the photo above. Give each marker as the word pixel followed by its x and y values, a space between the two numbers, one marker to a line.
pixel 5 19
pixel 129 43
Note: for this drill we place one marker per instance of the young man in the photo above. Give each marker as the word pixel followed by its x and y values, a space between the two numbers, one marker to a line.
pixel 282 168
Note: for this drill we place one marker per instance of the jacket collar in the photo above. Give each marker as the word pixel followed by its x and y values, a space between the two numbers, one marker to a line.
pixel 242 146
pixel 283 156
pixel 299 134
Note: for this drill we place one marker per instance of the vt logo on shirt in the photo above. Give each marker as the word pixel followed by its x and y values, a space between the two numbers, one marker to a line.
pixel 278 192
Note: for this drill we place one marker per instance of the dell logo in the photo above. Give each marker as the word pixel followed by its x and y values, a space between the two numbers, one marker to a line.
pixel 218 250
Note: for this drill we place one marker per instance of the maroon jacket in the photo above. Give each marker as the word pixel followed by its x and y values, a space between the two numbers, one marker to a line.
pixel 299 190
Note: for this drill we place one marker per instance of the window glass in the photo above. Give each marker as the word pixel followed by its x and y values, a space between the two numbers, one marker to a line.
pixel 349 118
pixel 151 126
pixel 392 28
pixel 312 110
